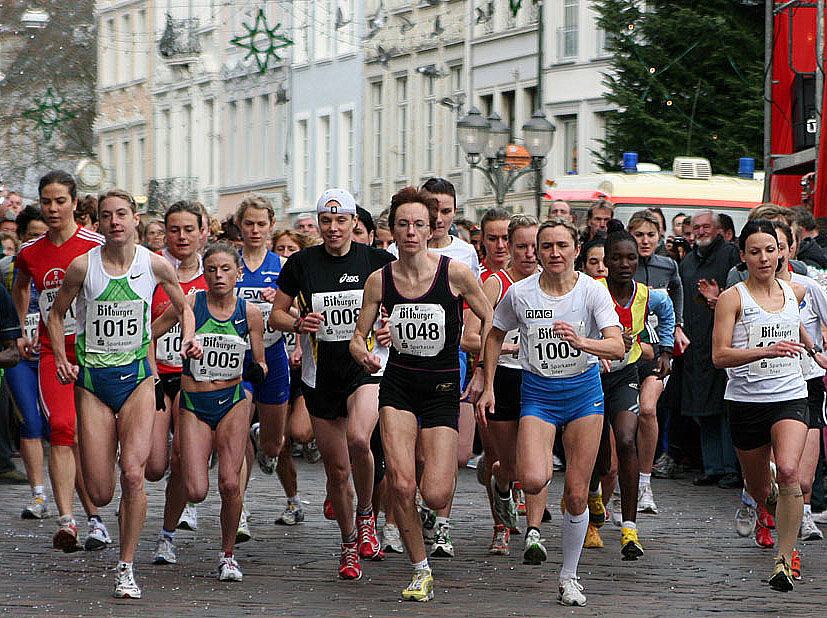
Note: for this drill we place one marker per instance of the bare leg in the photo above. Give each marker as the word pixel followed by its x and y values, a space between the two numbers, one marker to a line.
pixel 31 450
pixel 231 439
pixel 363 413
pixel 647 428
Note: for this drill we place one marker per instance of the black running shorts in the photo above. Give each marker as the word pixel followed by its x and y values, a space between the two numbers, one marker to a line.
pixel 750 422
pixel 433 397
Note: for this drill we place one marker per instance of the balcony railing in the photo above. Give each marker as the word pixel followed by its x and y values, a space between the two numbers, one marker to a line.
pixel 180 42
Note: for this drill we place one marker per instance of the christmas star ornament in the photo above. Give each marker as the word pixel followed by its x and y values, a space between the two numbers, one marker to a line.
pixel 49 113
pixel 261 41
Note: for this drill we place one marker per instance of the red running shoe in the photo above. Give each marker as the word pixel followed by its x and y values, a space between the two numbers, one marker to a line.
pixel 519 498
pixel 349 567
pixel 765 519
pixel 329 513
pixel 763 536
pixel 369 546
pixel 795 565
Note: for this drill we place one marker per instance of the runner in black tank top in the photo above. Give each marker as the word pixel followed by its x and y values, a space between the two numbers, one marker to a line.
pixel 423 295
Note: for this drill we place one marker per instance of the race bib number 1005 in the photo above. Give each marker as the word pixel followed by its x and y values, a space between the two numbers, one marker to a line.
pixel 551 356
pixel 223 358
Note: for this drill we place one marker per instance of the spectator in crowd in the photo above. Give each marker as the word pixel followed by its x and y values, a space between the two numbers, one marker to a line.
pixel 365 230
pixel 476 242
pixel 86 214
pixel 560 208
pixel 9 356
pixel 155 235
pixel 809 251
pixel 704 273
pixel 10 243
pixel 464 227
pixel 383 237
pixel 687 232
pixel 8 225
pixel 677 224
pixel 306 224
pixel 727 227
pixel 597 219
pixel 821 239
pixel 808 190
pixel 14 203
pixel 230 233
pixel 661 217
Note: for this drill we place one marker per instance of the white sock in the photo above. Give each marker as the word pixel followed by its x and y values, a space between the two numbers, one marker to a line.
pixel 574 533
pixel 808 509
pixel 441 521
pixel 748 499
pixel 629 524
pixel 643 479
pixel 37 490
pixel 421 565
pixel 65 519
pixel 294 499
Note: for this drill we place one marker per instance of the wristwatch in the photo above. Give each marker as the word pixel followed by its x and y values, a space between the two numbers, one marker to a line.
pixel 816 349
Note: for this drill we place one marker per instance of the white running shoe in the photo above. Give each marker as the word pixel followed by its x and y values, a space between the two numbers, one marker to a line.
pixel 98 536
pixel 745 518
pixel 534 551
pixel 809 531
pixel 292 514
pixel 571 592
pixel 311 451
pixel 243 535
pixel 646 500
pixel 165 551
pixel 189 518
pixel 557 463
pixel 125 586
pixel 391 539
pixel 820 518
pixel 442 547
pixel 37 509
pixel 228 569
pixel 616 510
pixel 265 462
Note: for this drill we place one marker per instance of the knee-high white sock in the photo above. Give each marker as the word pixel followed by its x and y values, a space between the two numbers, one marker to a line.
pixel 574 533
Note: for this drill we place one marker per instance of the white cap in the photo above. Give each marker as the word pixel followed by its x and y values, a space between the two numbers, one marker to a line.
pixel 346 202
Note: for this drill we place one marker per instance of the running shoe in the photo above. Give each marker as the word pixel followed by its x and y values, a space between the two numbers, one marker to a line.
pixel 546 515
pixel 428 519
pixel 499 544
pixel 165 551
pixel 481 471
pixel 615 508
pixel 66 537
pixel 593 540
pixel 820 518
pixel 745 518
pixel 795 566
pixel 349 567
pixel 519 498
pixel 629 544
pixel 765 519
pixel 391 539
pixel 291 515
pixel 311 453
pixel 646 500
pixel 243 535
pixel 369 546
pixel 571 592
pixel 809 531
pixel 772 500
pixel 98 536
pixel 228 569
pixel 782 576
pixel 421 587
pixel 328 511
pixel 189 518
pixel 763 536
pixel 442 547
pixel 266 463
pixel 296 450
pixel 125 586
pixel 665 467
pixel 557 463
pixel 504 508
pixel 597 511
pixel 474 462
pixel 535 551
pixel 37 509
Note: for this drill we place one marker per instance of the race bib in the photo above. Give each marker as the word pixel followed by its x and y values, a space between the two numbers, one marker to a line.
pixel 510 360
pixel 553 357
pixel 418 329
pixel 340 310
pixel 271 335
pixel 764 335
pixel 30 325
pixel 168 348
pixel 114 326
pixel 290 341
pixel 223 358
pixel 45 302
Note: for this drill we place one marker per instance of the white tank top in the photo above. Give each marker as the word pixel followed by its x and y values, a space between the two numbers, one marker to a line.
pixel 768 379
pixel 114 313
pixel 813 311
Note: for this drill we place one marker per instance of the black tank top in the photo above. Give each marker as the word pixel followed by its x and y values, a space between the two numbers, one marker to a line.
pixel 425 330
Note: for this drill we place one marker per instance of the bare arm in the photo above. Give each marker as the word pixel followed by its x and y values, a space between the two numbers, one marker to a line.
pixel 463 282
pixel 611 347
pixel 281 318
pixel 168 280
pixel 72 282
pixel 21 293
pixel 371 299
pixel 491 352
pixel 255 325
pixel 9 354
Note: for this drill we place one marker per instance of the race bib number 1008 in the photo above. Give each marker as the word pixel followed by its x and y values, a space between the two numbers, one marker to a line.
pixel 340 311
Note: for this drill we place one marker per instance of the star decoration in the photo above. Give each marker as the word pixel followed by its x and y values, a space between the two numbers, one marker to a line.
pixel 261 41
pixel 49 113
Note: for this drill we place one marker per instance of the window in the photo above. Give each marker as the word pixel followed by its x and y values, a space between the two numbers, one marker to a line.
pixel 301 52
pixel 232 140
pixel 166 129
pixel 250 151
pixel 402 125
pixel 487 104
pixel 569 144
pixel 377 129
pixel 140 163
pixel 187 119
pixel 430 119
pixel 567 34
pixel 125 42
pixel 110 53
pixel 456 79
pixel 303 162
pixel 347 155
pixel 210 113
pixel 459 95
pixel 142 41
pixel 346 35
pixel 324 28
pixel 266 123
pixel 109 164
pixel 508 114
pixel 125 168
pixel 324 177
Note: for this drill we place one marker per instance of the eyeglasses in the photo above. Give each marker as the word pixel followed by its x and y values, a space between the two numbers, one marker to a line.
pixel 402 224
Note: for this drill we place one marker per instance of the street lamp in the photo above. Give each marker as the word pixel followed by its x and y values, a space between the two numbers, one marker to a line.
pixel 488 139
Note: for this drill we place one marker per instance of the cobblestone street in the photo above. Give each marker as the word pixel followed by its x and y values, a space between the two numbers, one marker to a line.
pixel 695 565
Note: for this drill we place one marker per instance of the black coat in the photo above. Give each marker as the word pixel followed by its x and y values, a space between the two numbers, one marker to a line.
pixel 703 385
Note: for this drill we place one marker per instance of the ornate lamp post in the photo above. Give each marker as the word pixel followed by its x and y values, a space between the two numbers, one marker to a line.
pixel 484 142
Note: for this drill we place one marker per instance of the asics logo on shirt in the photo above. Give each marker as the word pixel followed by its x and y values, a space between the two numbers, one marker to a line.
pixel 346 278
pixel 538 314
